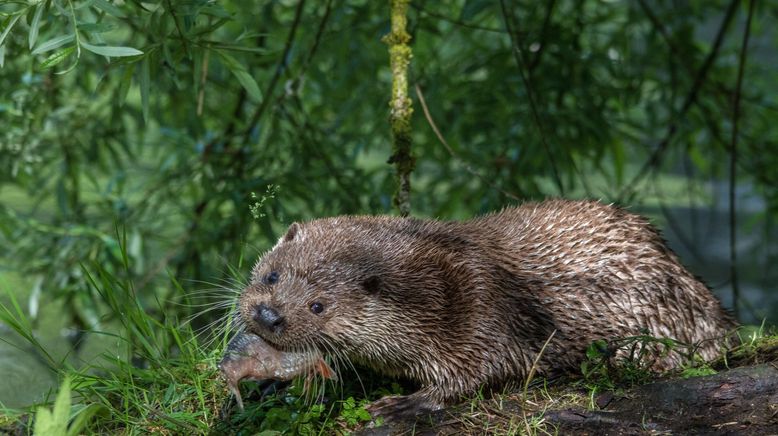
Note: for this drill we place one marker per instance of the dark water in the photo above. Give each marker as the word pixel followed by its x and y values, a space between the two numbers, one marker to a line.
pixel 25 376
pixel 700 237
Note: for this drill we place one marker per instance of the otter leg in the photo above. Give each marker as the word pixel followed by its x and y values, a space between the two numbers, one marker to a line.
pixel 402 407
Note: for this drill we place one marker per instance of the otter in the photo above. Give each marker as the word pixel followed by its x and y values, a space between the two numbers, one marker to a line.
pixel 455 306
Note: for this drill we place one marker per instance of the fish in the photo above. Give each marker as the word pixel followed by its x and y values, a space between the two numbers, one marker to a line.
pixel 249 357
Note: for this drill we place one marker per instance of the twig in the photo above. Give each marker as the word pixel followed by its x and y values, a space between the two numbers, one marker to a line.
pixel 543 34
pixel 178 27
pixel 673 224
pixel 710 120
pixel 203 79
pixel 733 164
pixel 455 21
pixel 517 53
pixel 656 157
pixel 316 40
pixel 534 367
pixel 448 148
pixel 282 63
pixel 305 131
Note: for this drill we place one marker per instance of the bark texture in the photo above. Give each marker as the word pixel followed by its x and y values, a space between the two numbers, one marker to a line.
pixel 400 104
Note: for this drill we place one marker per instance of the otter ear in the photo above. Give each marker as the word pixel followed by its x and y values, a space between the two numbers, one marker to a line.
pixel 372 284
pixel 292 232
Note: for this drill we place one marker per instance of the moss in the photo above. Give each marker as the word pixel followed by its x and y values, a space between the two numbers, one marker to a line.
pixel 400 104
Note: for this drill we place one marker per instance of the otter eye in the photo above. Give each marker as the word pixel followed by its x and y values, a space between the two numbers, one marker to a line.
pixel 317 308
pixel 271 278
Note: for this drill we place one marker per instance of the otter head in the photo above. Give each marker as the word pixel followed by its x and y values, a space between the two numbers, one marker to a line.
pixel 313 289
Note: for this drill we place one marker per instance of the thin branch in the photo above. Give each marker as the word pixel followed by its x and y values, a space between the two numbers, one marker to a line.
pixel 455 21
pixel 656 157
pixel 184 41
pixel 543 34
pixel 316 40
pixel 673 224
pixel 733 164
pixel 203 79
pixel 711 120
pixel 282 64
pixel 443 141
pixel 661 29
pixel 534 366
pixel 507 16
pixel 305 130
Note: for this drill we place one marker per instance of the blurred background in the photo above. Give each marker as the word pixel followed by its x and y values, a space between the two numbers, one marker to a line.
pixel 193 132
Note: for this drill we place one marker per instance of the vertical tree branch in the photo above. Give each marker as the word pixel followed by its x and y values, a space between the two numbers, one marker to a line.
pixel 400 104
pixel 656 157
pixel 521 64
pixel 450 150
pixel 543 37
pixel 283 63
pixel 733 165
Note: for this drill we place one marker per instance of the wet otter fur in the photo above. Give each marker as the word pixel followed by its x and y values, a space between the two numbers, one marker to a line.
pixel 458 305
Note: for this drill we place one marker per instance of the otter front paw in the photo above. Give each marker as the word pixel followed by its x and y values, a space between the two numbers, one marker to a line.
pixel 401 407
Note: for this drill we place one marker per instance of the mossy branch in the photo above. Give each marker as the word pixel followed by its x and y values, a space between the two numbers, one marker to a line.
pixel 400 104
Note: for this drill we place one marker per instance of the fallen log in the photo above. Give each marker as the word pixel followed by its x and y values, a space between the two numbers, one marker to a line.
pixel 732 402
pixel 738 401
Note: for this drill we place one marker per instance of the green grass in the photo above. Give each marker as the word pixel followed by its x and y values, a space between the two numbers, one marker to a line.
pixel 164 380
pixel 169 382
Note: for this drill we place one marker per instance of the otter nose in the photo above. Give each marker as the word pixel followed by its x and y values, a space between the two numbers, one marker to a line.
pixel 268 317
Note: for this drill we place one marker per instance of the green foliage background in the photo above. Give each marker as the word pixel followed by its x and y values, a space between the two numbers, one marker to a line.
pixel 161 118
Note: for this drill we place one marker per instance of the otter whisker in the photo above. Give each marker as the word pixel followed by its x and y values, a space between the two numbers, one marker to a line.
pixel 220 328
pixel 342 359
pixel 230 286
